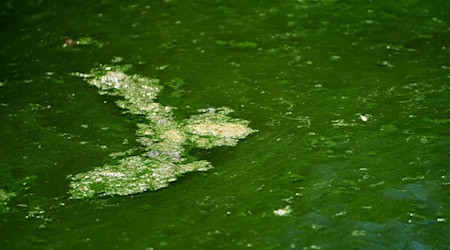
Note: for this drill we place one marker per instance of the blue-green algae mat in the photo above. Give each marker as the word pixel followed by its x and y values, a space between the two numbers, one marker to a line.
pixel 170 124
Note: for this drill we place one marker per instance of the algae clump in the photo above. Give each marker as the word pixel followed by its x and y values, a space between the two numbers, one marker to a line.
pixel 165 140
pixel 4 198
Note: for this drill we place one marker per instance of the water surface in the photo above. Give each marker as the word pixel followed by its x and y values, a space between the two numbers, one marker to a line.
pixel 350 99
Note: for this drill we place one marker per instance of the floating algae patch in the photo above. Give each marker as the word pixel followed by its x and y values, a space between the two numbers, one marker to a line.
pixel 213 127
pixel 4 198
pixel 163 138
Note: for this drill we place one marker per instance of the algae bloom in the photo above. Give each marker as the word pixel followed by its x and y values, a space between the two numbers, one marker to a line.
pixel 4 198
pixel 164 139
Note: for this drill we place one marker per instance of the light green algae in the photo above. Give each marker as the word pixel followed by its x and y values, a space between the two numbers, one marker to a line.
pixel 163 138
pixel 4 198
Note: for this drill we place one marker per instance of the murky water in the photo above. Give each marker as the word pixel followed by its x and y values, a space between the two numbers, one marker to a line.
pixel 350 100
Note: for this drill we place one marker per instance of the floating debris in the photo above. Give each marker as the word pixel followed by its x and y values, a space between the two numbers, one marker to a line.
pixel 163 138
pixel 69 42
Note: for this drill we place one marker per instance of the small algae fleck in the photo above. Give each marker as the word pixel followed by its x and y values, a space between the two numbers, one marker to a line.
pixel 283 211
pixel 239 45
pixel 437 121
pixel 164 139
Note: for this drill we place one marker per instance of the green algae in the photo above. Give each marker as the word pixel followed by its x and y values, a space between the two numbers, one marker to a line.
pixel 437 121
pixel 87 41
pixel 163 138
pixel 213 127
pixel 390 128
pixel 238 45
pixel 4 198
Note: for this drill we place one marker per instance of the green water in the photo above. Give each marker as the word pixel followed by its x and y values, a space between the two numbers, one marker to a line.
pixel 350 98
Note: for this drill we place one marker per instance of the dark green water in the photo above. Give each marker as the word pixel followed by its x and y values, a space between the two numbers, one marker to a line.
pixel 351 100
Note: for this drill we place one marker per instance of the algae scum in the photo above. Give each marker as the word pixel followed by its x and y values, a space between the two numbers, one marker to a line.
pixel 163 138
pixel 104 105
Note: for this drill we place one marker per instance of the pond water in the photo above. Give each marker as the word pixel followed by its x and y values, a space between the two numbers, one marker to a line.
pixel 350 100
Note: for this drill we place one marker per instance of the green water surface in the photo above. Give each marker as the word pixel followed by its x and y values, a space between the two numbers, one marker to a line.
pixel 351 100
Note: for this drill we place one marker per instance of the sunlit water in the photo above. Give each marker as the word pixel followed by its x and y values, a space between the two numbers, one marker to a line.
pixel 350 98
